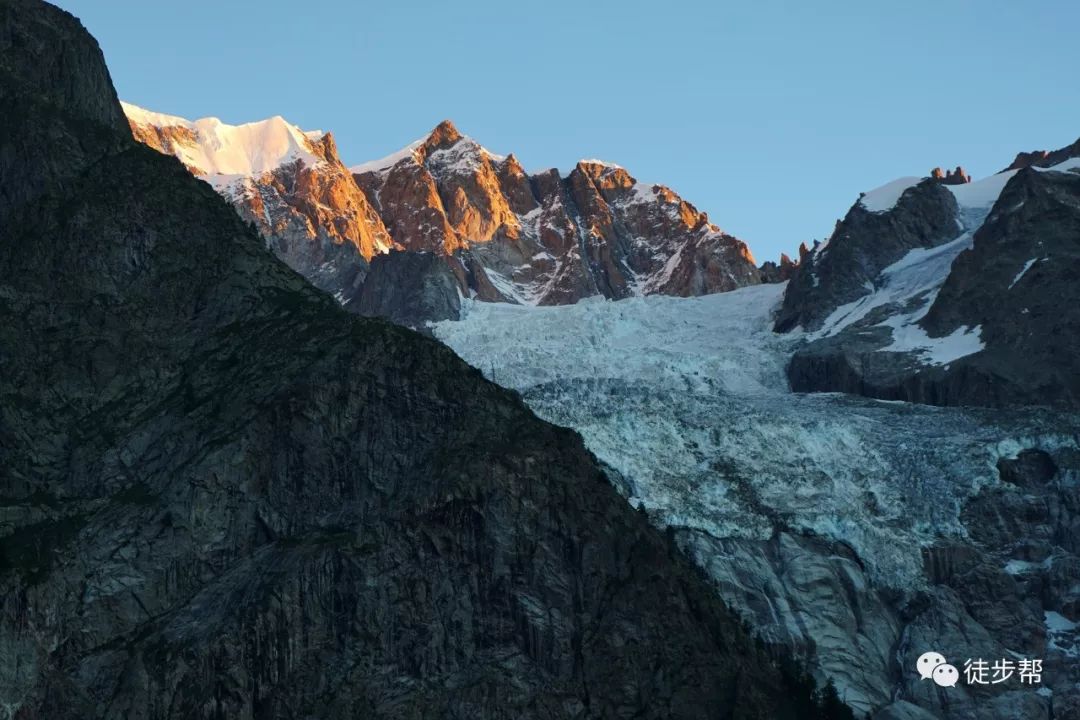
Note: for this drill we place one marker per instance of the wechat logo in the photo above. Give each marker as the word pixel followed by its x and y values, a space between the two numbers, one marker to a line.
pixel 934 666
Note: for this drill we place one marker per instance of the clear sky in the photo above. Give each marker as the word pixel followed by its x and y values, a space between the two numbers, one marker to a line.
pixel 771 116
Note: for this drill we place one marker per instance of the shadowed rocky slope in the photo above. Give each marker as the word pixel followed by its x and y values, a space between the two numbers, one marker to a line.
pixel 949 295
pixel 222 496
pixel 863 245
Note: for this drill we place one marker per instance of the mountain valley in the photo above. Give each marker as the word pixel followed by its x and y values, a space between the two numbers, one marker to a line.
pixel 619 470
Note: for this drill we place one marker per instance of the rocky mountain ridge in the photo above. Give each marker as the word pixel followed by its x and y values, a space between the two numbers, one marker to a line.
pixel 944 292
pixel 506 235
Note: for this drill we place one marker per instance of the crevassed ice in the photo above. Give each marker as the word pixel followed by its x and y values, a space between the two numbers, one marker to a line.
pixel 686 400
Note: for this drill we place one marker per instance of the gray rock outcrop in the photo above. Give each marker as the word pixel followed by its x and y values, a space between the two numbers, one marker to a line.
pixel 991 319
pixel 410 289
pixel 863 244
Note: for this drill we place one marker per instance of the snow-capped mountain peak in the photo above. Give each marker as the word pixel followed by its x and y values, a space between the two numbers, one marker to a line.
pixel 444 143
pixel 978 194
pixel 287 181
pixel 600 163
pixel 223 153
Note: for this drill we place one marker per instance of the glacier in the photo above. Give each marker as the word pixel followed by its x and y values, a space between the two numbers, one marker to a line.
pixel 686 400
pixel 813 513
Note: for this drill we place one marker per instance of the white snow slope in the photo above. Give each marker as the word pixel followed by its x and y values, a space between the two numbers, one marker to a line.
pixel 226 153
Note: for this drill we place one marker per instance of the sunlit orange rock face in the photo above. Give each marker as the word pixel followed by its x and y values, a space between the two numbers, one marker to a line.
pixel 668 246
pixel 445 196
pixel 508 235
pixel 317 220
pixel 165 139
pixel 312 215
pixel 407 199
pixel 328 199
pixel 1044 158
pixel 548 239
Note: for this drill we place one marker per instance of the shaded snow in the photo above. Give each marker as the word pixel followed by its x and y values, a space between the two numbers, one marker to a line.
pixel 981 193
pixel 1056 622
pixel 642 193
pixel 1021 567
pixel 910 286
pixel 657 280
pixel 984 193
pixel 1062 634
pixel 911 337
pixel 1023 272
pixel 466 156
pixel 1070 165
pixel 884 198
pixel 918 274
pixel 460 156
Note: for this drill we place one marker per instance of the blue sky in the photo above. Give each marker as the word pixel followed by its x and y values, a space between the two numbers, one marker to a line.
pixel 770 116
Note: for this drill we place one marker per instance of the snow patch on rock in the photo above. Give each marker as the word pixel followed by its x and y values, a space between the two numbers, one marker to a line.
pixel 884 198
pixel 1023 272
pixel 385 163
pixel 919 274
pixel 910 337
pixel 981 193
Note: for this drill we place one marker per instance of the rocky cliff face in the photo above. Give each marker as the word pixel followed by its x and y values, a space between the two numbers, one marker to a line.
pixel 410 289
pixel 222 496
pixel 865 242
pixel 1018 284
pixel 35 52
pixel 772 272
pixel 547 239
pixel 947 293
pixel 511 236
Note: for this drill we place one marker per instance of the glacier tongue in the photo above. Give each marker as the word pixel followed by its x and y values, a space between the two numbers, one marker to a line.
pixel 814 514
pixel 687 400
